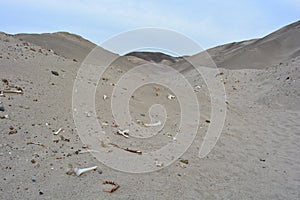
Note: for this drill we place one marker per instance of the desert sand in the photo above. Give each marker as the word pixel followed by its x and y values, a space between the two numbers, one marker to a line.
pixel 256 156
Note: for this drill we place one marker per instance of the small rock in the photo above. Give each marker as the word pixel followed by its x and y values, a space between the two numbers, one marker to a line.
pixel 185 161
pixel 2 108
pixel 55 73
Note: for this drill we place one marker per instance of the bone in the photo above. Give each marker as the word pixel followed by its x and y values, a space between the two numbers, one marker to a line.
pixel 124 133
pixel 78 171
pixel 57 132
pixel 170 96
pixel 153 124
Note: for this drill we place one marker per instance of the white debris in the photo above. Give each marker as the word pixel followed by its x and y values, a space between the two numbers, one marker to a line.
pixel 158 164
pixel 88 114
pixel 170 96
pixel 88 151
pixel 104 123
pixel 57 132
pixel 105 97
pixel 78 171
pixel 153 124
pixel 124 133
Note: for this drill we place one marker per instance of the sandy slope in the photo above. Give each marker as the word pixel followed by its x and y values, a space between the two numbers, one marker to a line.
pixel 279 46
pixel 256 157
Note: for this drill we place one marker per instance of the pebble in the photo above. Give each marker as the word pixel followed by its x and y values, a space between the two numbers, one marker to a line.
pixel 55 73
pixel 2 108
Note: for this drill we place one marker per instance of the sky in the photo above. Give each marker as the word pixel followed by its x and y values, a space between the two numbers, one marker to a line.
pixel 209 23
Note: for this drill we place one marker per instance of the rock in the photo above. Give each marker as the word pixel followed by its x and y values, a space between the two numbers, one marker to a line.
pixel 185 161
pixel 55 73
pixel 2 108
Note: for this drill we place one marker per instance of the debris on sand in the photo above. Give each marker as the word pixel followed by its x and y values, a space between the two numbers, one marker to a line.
pixel 184 161
pixel 57 132
pixel 116 186
pixel 104 79
pixel 13 91
pixel 171 97
pixel 79 171
pixel 105 97
pixel 55 73
pixel 158 164
pixel 42 145
pixel 153 124
pixel 62 138
pixel 12 131
pixel 207 121
pixel 219 74
pixel 127 149
pixel 4 117
pixel 124 133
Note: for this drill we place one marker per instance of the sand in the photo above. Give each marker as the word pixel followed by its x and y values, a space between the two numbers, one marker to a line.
pixel 256 156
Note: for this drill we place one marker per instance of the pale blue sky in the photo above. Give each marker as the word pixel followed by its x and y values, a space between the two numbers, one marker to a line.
pixel 209 23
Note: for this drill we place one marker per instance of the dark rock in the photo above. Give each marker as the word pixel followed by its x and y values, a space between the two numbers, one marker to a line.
pixel 55 73
pixel 2 108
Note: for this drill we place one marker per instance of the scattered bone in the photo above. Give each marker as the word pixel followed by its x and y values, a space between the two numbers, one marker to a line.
pixel 14 91
pixel 104 123
pixel 88 151
pixel 124 133
pixel 170 96
pixel 197 87
pixel 79 171
pixel 153 124
pixel 158 164
pixel 57 132
pixel 4 117
pixel 116 186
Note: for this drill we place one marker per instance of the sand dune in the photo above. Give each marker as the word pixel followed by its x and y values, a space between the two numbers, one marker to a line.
pixel 275 48
pixel 256 156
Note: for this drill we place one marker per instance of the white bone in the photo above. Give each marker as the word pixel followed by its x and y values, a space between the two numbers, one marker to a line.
pixel 123 133
pixel 170 96
pixel 154 124
pixel 57 132
pixel 78 171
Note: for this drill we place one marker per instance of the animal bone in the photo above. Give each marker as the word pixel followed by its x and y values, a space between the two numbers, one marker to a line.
pixel 153 124
pixel 78 171
pixel 57 132
pixel 123 133
pixel 4 117
pixel 88 151
pixel 158 164
pixel 170 96
pixel 12 91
